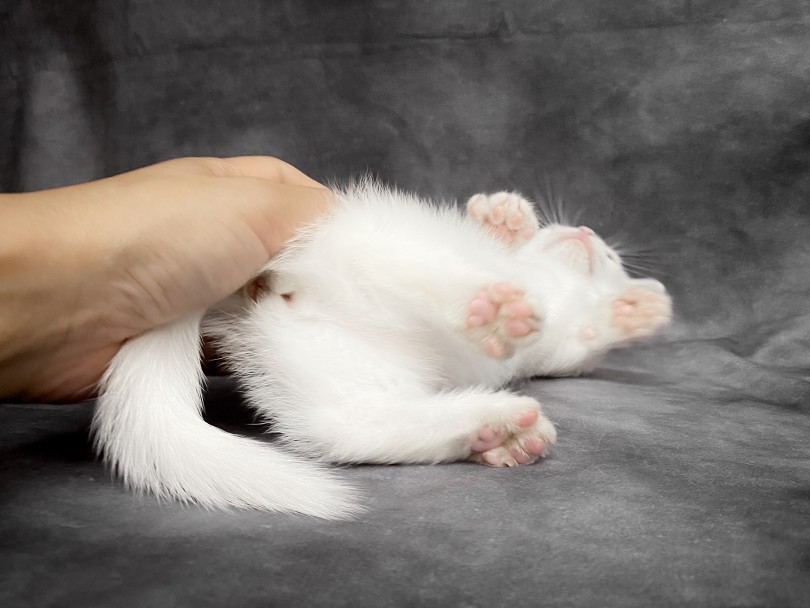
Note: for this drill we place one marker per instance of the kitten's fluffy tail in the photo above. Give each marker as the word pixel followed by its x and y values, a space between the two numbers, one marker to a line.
pixel 149 428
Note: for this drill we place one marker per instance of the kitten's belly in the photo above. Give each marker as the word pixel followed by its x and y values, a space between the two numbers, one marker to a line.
pixel 416 343
pixel 390 277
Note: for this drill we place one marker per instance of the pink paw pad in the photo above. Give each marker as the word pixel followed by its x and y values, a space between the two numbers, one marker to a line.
pixel 528 418
pixel 498 316
pixel 640 312
pixel 529 439
pixel 487 439
pixel 509 216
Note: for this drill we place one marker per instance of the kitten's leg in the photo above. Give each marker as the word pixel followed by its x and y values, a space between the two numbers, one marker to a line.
pixel 337 392
pixel 493 428
pixel 507 214
pixel 499 316
pixel 639 311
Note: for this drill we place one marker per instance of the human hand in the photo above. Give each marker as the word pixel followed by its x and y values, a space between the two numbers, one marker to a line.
pixel 86 267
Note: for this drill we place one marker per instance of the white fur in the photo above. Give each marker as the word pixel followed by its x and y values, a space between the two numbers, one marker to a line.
pixel 148 426
pixel 363 352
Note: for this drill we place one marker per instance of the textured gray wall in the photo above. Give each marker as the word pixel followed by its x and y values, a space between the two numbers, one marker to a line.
pixel 682 125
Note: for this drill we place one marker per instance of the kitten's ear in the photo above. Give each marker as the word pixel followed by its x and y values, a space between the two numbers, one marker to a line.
pixel 649 284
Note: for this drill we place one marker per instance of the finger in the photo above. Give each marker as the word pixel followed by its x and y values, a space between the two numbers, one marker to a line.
pixel 280 210
pixel 267 167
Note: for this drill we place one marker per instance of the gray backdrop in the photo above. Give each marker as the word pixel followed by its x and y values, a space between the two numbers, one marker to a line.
pixel 682 473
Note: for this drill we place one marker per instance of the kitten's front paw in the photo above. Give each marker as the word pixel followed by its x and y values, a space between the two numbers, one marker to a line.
pixel 641 311
pixel 508 215
pixel 498 317
pixel 524 439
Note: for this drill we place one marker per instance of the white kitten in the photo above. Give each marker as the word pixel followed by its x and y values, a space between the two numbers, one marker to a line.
pixel 386 335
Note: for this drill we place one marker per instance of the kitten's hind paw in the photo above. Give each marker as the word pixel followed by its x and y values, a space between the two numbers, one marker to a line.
pixel 507 215
pixel 529 437
pixel 498 317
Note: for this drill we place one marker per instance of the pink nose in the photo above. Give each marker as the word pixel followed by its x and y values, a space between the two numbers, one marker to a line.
pixel 586 230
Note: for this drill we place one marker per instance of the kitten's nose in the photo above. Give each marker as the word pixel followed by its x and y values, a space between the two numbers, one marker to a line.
pixel 586 230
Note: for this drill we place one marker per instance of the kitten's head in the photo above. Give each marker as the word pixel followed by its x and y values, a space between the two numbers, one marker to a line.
pixel 593 305
pixel 582 251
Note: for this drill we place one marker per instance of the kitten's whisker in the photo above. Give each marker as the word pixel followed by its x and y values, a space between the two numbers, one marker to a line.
pixel 631 252
pixel 638 249
pixel 545 210
pixel 641 260
pixel 576 221
pixel 549 198
pixel 637 260
pixel 561 211
pixel 638 253
pixel 642 269
pixel 639 267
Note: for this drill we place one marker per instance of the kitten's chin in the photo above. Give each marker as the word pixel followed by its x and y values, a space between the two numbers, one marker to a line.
pixel 575 253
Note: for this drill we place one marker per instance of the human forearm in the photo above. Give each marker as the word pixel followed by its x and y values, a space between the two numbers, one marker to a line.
pixel 49 273
pixel 86 267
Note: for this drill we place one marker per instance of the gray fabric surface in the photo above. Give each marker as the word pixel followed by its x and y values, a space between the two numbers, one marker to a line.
pixel 682 474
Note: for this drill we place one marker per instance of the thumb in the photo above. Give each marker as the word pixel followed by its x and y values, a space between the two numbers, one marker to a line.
pixel 284 210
